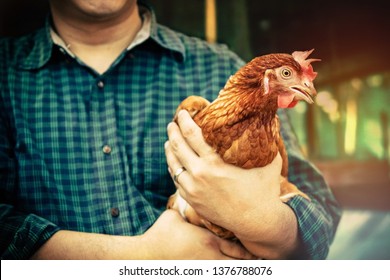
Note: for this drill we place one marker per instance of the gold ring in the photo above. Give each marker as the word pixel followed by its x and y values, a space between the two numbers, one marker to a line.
pixel 177 174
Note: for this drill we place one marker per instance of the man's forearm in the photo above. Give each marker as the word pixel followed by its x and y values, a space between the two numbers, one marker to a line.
pixel 277 239
pixel 79 245
pixel 170 237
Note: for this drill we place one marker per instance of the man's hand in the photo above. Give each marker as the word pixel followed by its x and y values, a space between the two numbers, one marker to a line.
pixel 173 238
pixel 222 193
pixel 244 201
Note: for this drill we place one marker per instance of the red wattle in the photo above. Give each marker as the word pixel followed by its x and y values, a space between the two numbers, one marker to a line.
pixel 292 104
pixel 285 100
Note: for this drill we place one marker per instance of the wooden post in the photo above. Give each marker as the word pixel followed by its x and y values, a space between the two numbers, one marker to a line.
pixel 210 21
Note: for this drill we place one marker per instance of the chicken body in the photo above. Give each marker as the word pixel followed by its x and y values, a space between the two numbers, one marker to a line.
pixel 241 124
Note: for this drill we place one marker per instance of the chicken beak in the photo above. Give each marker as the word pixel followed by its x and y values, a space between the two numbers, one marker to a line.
pixel 305 92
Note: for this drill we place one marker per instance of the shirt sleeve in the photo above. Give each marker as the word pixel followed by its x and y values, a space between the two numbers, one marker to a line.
pixel 21 234
pixel 318 218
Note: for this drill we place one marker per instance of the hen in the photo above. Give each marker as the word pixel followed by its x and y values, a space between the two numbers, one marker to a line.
pixel 242 125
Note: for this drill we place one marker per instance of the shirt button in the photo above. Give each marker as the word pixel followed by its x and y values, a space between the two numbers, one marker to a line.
pixel 107 149
pixel 114 212
pixel 100 84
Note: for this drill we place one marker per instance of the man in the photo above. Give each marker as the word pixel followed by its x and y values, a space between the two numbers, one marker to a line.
pixel 84 106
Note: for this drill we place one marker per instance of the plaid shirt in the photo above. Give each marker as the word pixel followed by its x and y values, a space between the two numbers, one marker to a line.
pixel 85 152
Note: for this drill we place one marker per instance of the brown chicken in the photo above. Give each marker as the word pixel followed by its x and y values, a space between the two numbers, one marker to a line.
pixel 242 125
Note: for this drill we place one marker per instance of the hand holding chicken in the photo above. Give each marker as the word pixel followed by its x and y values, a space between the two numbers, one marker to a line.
pixel 230 155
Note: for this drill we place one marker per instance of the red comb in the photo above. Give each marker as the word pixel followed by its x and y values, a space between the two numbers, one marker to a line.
pixel 300 57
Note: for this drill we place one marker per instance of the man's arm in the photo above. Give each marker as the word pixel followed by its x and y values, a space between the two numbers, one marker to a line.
pixel 169 238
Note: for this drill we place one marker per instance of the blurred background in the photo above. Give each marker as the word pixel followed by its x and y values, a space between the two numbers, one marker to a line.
pixel 346 133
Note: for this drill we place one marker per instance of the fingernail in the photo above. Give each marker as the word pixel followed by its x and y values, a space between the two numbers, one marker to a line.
pixel 182 113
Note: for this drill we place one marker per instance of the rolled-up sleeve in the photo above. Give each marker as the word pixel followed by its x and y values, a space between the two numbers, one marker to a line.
pixel 22 235
pixel 317 219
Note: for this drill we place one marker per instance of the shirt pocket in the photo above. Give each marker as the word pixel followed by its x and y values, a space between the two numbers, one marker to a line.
pixel 158 184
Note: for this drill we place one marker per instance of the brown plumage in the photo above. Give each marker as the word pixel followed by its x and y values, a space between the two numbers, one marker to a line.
pixel 242 125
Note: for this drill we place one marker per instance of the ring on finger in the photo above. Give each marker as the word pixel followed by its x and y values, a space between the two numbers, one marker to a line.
pixel 177 174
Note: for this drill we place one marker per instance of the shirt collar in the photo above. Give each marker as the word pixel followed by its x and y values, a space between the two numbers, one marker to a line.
pixel 45 38
pixel 165 37
pixel 40 44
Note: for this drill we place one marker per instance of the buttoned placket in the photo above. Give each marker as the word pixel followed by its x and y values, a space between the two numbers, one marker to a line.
pixel 108 162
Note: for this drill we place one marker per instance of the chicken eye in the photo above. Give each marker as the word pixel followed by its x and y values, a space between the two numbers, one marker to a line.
pixel 286 73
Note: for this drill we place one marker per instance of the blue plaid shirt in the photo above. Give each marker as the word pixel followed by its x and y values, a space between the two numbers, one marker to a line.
pixel 85 152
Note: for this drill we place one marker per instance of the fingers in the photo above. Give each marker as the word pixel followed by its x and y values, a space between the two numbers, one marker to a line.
pixel 177 239
pixel 180 177
pixel 180 148
pixel 174 165
pixel 235 250
pixel 193 134
pixel 187 144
